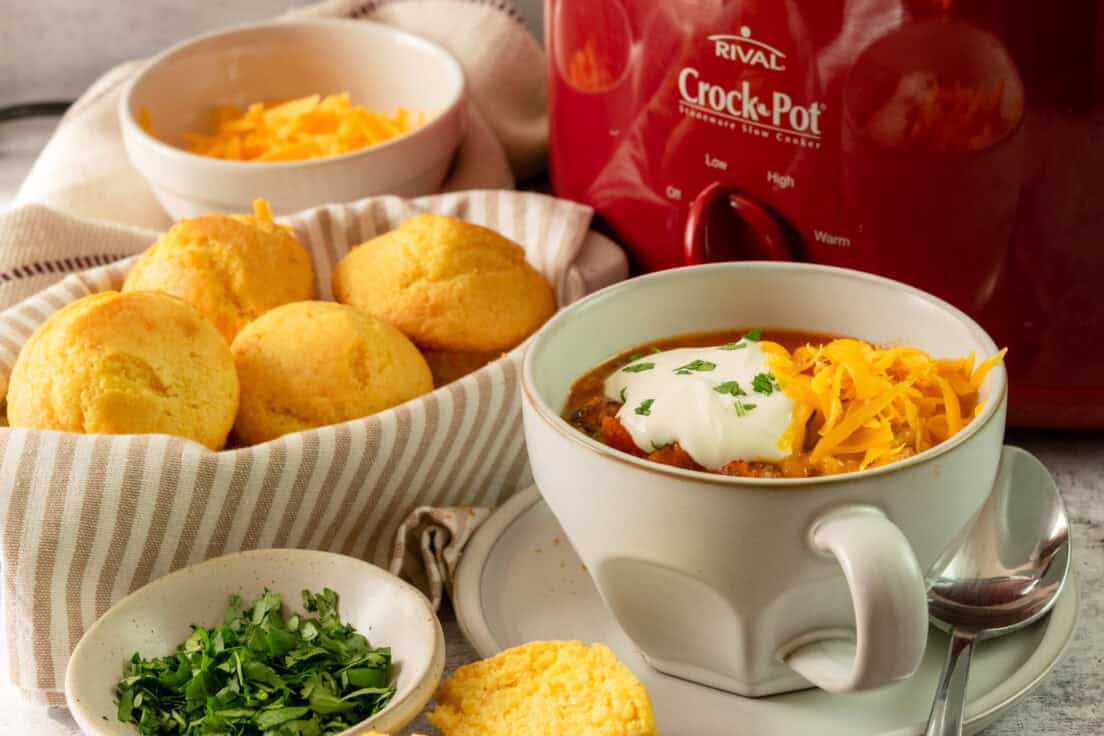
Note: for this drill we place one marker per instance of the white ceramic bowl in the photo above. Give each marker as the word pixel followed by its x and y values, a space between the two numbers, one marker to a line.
pixel 760 585
pixel 381 68
pixel 154 619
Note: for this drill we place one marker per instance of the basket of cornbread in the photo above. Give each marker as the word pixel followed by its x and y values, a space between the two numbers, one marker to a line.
pixel 245 383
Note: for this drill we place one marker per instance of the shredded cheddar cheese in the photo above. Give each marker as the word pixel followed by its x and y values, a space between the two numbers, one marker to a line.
pixel 261 210
pixel 308 127
pixel 858 406
pixel 144 120
pixel 261 217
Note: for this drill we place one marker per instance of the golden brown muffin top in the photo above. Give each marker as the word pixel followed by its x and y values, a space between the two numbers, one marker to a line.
pixel 545 687
pixel 233 268
pixel 447 284
pixel 140 362
pixel 309 364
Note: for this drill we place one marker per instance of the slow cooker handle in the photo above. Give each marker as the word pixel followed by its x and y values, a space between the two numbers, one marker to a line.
pixel 749 231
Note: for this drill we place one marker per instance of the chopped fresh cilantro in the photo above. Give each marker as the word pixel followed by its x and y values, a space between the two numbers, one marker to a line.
pixel 695 365
pixel 753 335
pixel 655 350
pixel 623 394
pixel 635 357
pixel 734 346
pixel 260 673
pixel 742 409
pixel 658 446
pixel 638 367
pixel 764 383
pixel 730 387
pixel 645 408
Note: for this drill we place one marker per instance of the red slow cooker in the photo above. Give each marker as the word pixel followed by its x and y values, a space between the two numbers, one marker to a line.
pixel 957 145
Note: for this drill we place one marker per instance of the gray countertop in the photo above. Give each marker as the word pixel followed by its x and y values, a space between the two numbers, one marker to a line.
pixel 1069 703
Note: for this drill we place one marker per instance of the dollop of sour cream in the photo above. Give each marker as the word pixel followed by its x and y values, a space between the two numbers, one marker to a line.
pixel 719 403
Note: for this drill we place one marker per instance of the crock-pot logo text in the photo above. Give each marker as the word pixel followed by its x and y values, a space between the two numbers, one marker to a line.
pixel 777 109
pixel 744 48
pixel 760 112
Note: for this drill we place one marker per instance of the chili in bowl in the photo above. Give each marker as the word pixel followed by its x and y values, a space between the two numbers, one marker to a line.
pixel 757 460
pixel 775 403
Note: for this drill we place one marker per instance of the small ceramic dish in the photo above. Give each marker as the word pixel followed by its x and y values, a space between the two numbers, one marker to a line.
pixel 381 68
pixel 157 617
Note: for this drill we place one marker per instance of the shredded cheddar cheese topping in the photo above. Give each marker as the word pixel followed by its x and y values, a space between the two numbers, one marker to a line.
pixel 308 127
pixel 858 406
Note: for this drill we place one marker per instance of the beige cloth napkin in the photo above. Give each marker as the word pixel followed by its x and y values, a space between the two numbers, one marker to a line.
pixel 84 169
pixel 428 545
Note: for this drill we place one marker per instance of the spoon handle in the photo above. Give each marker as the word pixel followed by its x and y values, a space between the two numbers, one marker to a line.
pixel 948 710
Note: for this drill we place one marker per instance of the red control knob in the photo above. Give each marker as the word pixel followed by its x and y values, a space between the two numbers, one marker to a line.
pixel 724 224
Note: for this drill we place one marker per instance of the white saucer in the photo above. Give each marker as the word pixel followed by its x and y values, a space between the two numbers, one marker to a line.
pixel 520 580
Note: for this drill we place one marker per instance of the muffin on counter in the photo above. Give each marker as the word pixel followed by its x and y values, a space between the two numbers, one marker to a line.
pixel 233 268
pixel 545 687
pixel 139 362
pixel 309 364
pixel 463 293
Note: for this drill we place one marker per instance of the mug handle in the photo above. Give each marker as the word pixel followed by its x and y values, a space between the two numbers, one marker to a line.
pixel 889 598
pixel 747 228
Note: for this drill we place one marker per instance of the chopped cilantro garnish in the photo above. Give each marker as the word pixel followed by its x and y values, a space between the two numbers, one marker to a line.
pixel 260 673
pixel 730 387
pixel 695 365
pixel 645 408
pixel 655 350
pixel 734 346
pixel 658 446
pixel 742 409
pixel 622 393
pixel 638 367
pixel 635 356
pixel 753 335
pixel 764 383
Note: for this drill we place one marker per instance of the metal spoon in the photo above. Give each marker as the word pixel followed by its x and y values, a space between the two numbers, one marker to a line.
pixel 1001 574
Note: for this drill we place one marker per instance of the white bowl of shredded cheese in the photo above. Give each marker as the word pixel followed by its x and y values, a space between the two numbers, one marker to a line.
pixel 302 113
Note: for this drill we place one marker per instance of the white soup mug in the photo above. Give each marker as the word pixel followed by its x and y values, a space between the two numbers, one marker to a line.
pixel 753 585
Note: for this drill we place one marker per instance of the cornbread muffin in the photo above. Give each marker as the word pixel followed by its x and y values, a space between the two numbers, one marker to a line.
pixel 448 285
pixel 140 362
pixel 308 364
pixel 234 268
pixel 545 688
